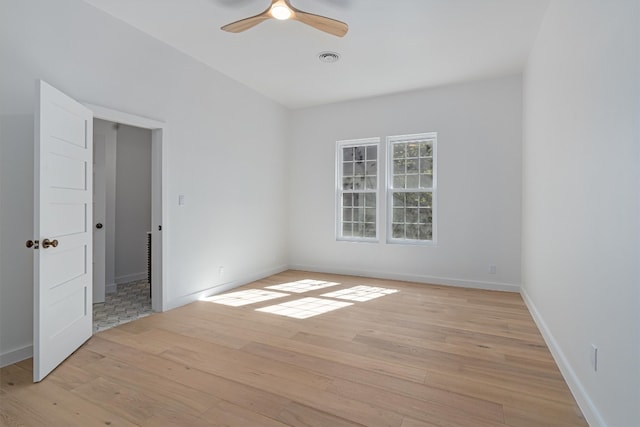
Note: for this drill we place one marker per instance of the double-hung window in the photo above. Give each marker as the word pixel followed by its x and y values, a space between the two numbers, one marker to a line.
pixel 411 188
pixel 410 201
pixel 357 189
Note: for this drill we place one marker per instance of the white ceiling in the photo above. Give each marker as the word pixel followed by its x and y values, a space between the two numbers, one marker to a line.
pixel 391 46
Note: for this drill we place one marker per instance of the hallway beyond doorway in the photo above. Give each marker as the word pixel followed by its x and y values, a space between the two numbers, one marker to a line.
pixel 130 302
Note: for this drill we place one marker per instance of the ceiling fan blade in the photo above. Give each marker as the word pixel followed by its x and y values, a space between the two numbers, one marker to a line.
pixel 322 23
pixel 245 24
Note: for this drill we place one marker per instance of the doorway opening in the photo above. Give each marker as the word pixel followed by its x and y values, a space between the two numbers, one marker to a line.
pixel 129 261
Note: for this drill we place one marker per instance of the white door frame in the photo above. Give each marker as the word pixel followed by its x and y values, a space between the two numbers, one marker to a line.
pixel 159 208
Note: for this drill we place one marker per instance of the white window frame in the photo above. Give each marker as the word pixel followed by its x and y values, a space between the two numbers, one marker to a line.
pixel 390 140
pixel 339 187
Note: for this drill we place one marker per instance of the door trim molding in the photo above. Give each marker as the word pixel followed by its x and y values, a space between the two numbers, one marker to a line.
pixel 160 209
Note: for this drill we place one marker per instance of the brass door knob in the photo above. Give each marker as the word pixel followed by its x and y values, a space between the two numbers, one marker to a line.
pixel 47 243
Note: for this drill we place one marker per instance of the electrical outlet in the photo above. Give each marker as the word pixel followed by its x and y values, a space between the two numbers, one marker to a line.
pixel 492 269
pixel 594 357
pixel 221 271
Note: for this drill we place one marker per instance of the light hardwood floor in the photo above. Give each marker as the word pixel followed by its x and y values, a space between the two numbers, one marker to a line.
pixel 423 356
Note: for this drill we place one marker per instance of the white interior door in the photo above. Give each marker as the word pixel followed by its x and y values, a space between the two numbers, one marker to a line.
pixel 99 214
pixel 63 218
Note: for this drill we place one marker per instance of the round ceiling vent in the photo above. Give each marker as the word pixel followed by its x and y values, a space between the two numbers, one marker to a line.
pixel 329 57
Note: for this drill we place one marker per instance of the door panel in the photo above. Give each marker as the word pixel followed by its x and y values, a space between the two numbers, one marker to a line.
pixel 63 208
pixel 68 218
pixel 63 266
pixel 72 172
pixel 66 125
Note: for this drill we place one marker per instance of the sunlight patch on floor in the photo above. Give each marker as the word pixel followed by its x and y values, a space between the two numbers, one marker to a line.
pixel 240 298
pixel 360 293
pixel 304 308
pixel 302 286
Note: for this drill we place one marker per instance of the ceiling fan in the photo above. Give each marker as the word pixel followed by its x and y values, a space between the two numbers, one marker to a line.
pixel 282 9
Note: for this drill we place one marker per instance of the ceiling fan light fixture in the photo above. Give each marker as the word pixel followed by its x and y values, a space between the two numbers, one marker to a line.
pixel 280 11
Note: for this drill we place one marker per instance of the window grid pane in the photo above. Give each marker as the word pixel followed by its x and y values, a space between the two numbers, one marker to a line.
pixel 358 198
pixel 411 190
pixel 412 164
pixel 359 214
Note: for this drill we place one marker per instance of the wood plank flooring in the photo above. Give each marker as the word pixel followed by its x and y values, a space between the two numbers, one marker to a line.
pixel 423 356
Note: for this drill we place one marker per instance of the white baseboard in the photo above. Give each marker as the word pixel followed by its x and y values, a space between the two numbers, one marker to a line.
pixel 196 296
pixel 589 410
pixel 17 355
pixel 131 277
pixel 445 281
pixel 110 288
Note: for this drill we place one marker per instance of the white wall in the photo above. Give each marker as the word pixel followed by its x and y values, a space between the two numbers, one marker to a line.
pixel 581 257
pixel 233 175
pixel 479 127
pixel 133 202
pixel 16 227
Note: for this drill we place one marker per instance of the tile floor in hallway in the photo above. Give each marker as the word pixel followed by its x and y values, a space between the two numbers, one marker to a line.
pixel 130 302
